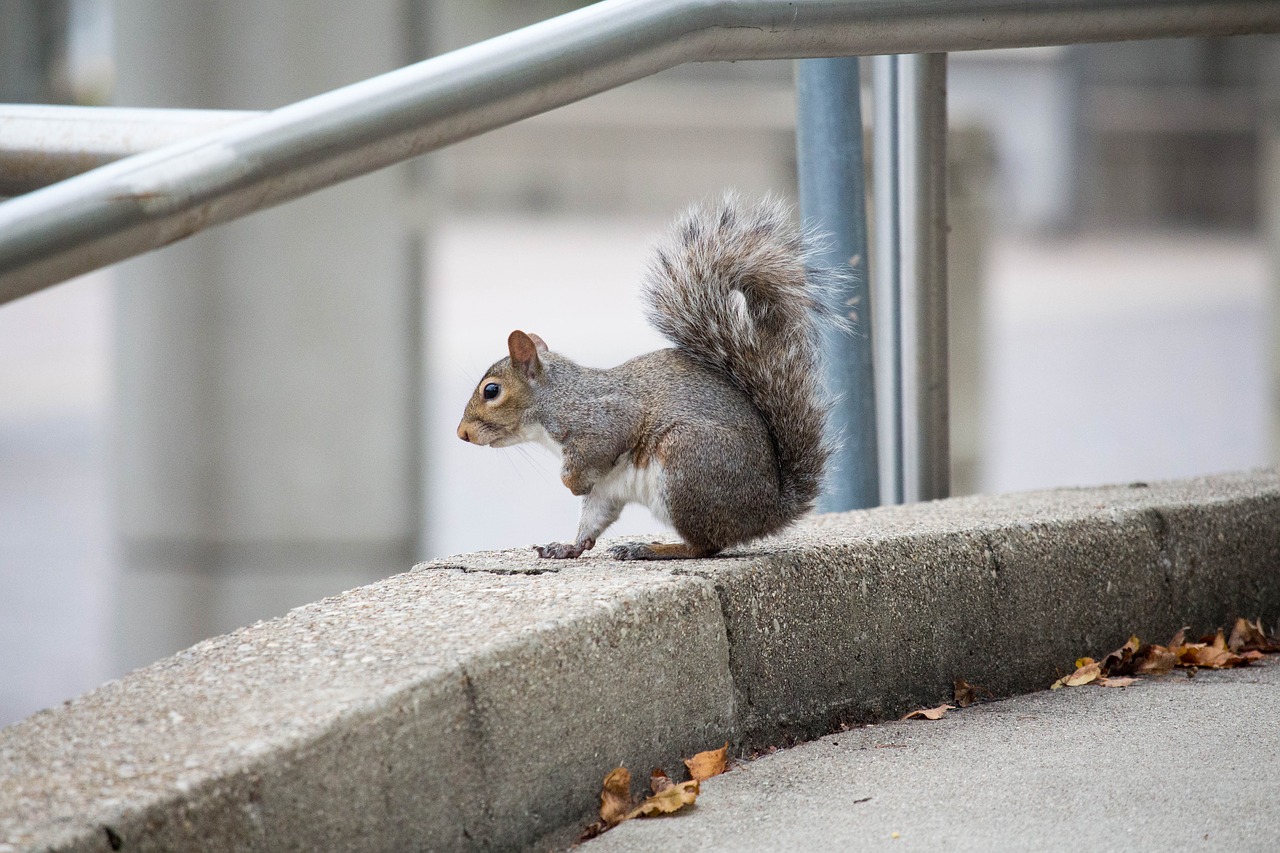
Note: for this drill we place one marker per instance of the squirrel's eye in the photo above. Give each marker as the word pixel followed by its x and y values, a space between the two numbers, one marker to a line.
pixel 491 390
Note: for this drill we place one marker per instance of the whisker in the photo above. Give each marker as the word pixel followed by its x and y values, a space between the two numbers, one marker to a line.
pixel 514 467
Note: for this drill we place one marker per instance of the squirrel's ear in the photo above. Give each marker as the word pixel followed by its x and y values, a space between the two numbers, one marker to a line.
pixel 538 342
pixel 524 353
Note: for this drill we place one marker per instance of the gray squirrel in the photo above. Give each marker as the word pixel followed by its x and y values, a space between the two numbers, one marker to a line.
pixel 723 436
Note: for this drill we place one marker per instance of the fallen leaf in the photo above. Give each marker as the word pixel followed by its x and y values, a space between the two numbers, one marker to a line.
pixel 667 796
pixel 1207 656
pixel 1154 660
pixel 615 797
pixel 1248 644
pixel 1120 662
pixel 615 803
pixel 930 713
pixel 965 694
pixel 1246 633
pixel 713 762
pixel 1249 636
pixel 1211 653
pixel 1084 674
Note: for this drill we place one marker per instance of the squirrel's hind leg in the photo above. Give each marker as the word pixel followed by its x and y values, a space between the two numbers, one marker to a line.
pixel 660 551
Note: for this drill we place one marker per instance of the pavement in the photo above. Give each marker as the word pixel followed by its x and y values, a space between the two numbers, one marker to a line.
pixel 1170 763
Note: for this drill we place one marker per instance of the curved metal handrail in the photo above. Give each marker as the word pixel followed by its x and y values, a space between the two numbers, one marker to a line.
pixel 161 196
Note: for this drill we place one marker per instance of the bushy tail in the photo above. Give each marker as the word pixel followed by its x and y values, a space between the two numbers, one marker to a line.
pixel 729 287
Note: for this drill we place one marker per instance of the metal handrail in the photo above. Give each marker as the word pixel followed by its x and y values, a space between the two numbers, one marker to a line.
pixel 152 199
pixel 41 144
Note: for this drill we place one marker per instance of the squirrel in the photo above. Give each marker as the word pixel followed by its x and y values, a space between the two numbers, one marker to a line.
pixel 723 437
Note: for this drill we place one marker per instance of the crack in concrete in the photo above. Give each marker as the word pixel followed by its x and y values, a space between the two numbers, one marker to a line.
pixel 473 570
pixel 476 747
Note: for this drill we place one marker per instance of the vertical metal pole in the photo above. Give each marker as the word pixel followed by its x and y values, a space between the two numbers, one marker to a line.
pixel 887 275
pixel 833 199
pixel 922 140
pixel 912 222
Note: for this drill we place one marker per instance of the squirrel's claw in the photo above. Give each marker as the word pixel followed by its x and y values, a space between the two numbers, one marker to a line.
pixel 561 550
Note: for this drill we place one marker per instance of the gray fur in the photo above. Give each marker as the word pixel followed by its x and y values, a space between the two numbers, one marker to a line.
pixel 731 288
pixel 722 435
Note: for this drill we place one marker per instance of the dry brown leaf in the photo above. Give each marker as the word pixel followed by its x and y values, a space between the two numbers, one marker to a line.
pixel 1248 650
pixel 1211 653
pixel 1120 662
pixel 615 797
pixel 713 762
pixel 1087 669
pixel 1154 660
pixel 930 713
pixel 667 796
pixel 615 803
pixel 1209 657
pixel 964 693
pixel 1247 644
pixel 1246 633
pixel 1085 673
pixel 1249 636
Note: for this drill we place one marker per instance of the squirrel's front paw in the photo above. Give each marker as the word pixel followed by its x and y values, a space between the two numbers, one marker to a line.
pixel 561 550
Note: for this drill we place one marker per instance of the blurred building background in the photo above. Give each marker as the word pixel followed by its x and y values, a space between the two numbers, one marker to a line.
pixel 264 414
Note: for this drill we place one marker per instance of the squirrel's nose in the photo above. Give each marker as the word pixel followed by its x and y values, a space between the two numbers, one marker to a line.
pixel 462 432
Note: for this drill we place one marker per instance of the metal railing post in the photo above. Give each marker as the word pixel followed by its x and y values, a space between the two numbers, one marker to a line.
pixel 833 200
pixel 910 287
pixel 886 275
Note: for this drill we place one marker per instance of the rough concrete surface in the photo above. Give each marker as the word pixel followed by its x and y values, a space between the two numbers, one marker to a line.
pixel 477 702
pixel 865 615
pixel 1171 763
pixel 438 709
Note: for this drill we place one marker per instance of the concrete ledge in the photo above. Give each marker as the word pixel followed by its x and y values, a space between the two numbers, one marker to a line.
pixel 476 702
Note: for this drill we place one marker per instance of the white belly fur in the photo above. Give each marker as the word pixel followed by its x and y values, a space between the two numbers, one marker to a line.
pixel 625 482
pixel 630 484
pixel 537 434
